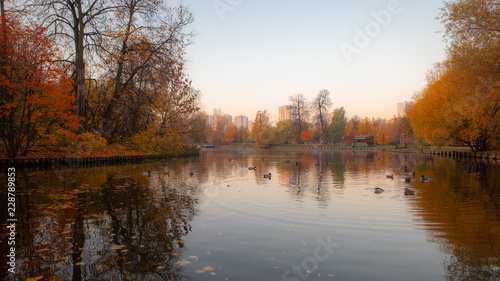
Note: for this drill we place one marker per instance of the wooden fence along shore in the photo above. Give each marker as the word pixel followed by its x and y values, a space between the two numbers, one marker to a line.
pixel 75 162
pixel 461 154
pixel 113 160
pixel 342 148
pixel 453 154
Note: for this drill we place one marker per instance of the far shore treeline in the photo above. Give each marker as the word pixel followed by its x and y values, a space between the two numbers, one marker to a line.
pixel 107 77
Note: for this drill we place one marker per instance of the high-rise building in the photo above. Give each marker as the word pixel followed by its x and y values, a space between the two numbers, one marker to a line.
pixel 287 113
pixel 402 107
pixel 241 121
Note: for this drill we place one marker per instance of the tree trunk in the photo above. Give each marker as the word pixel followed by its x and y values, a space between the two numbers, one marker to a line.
pixel 108 125
pixel 79 28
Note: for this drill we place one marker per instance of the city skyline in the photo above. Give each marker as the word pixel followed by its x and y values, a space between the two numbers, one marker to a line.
pixel 286 112
pixel 251 56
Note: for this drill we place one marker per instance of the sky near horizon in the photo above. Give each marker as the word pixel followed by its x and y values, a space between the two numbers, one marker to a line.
pixel 370 55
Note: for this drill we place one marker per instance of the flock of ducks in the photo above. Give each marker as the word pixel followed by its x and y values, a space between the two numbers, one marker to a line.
pixel 377 190
pixel 407 191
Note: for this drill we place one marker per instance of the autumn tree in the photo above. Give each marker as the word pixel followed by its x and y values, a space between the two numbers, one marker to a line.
pixel 379 123
pixel 145 66
pixel 400 130
pixel 352 126
pixel 302 112
pixel 231 134
pixel 220 122
pixel 245 134
pixel 266 137
pixel 321 106
pixel 79 25
pixel 382 136
pixel 199 127
pixel 338 125
pixel 307 136
pixel 36 100
pixel 366 127
pixel 284 131
pixel 461 100
pixel 261 122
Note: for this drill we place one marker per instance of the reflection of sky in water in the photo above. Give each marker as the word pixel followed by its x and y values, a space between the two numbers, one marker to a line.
pixel 226 221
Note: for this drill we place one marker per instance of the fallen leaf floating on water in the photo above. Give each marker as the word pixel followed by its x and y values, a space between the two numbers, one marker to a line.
pixel 35 279
pixel 194 258
pixel 208 268
pixel 183 262
pixel 160 267
pixel 200 271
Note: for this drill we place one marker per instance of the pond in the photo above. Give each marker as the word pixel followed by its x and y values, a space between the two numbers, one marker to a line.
pixel 210 217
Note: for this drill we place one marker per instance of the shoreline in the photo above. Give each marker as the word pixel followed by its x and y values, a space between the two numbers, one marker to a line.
pixel 76 162
pixel 449 152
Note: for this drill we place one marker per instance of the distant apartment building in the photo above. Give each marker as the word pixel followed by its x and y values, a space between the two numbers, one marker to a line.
pixel 402 107
pixel 287 113
pixel 241 121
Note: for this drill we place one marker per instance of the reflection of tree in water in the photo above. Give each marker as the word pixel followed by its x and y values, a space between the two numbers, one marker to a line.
pixel 107 224
pixel 461 213
pixel 300 167
pixel 338 167
pixel 146 231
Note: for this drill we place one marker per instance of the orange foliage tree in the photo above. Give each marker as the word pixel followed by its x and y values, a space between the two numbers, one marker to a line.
pixel 462 100
pixel 307 136
pixel 382 136
pixel 245 134
pixel 352 126
pixel 231 134
pixel 261 122
pixel 366 127
pixel 147 85
pixel 36 101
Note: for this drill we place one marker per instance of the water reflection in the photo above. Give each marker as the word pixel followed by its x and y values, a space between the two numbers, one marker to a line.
pixel 104 223
pixel 194 217
pixel 460 212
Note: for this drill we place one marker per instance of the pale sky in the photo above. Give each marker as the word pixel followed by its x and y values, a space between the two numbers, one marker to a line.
pixel 370 55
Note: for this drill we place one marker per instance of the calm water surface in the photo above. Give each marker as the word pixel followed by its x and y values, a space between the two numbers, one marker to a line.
pixel 211 218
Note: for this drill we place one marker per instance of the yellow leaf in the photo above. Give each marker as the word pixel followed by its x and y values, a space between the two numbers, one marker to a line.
pixel 117 247
pixel 183 262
